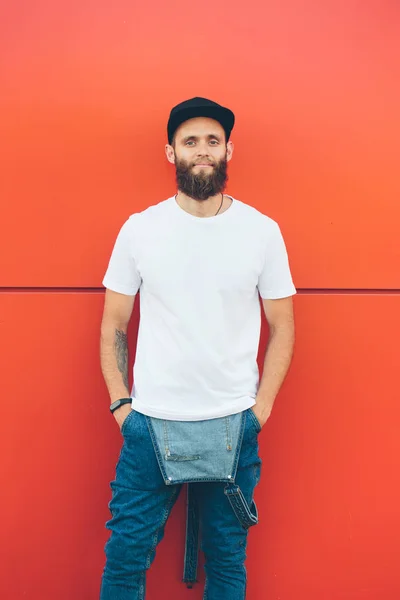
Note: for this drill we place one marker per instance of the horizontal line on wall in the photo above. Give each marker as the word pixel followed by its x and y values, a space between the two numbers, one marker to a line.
pixel 52 290
pixel 100 290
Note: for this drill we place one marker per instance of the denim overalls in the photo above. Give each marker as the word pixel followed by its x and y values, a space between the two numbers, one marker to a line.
pixel 194 451
pixel 156 458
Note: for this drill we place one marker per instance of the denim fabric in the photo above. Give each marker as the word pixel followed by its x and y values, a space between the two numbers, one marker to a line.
pixel 198 450
pixel 141 503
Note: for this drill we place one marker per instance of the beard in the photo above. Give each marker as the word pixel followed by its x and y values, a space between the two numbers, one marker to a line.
pixel 202 185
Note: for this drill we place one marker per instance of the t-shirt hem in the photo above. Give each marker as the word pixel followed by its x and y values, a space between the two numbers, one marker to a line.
pixel 269 295
pixel 238 406
pixel 116 287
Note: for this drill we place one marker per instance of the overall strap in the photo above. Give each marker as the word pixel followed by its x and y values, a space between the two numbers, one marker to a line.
pixel 192 538
pixel 247 515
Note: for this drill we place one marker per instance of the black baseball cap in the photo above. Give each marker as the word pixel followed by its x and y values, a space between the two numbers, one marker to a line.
pixel 199 107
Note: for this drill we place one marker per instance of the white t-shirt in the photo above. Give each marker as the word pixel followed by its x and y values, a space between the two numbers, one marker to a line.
pixel 200 314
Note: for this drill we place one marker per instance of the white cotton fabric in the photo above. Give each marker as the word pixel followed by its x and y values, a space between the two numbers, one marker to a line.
pixel 200 314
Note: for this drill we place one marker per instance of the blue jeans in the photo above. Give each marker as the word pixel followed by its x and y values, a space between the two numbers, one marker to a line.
pixel 141 504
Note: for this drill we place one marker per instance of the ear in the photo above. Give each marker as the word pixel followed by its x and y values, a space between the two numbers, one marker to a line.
pixel 229 150
pixel 170 152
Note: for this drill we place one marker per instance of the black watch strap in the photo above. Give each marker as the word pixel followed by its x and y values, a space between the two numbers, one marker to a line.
pixel 119 403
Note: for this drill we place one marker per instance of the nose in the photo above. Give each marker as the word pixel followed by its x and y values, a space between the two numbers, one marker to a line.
pixel 202 149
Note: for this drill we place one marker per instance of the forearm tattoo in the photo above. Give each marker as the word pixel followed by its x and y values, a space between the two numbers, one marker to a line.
pixel 121 354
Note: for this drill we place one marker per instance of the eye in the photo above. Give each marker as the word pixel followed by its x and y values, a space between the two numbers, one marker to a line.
pixel 214 142
pixel 189 142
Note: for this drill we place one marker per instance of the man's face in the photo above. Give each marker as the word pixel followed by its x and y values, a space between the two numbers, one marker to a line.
pixel 200 154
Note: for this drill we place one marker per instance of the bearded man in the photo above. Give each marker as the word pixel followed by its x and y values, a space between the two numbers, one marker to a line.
pixel 201 260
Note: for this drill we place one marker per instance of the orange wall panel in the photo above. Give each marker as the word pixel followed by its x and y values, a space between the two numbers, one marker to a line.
pixel 329 493
pixel 86 92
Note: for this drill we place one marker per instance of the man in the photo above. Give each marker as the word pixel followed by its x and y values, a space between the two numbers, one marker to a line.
pixel 201 259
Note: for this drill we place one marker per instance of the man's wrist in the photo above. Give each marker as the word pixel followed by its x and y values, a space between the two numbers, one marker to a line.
pixel 120 410
pixel 118 394
pixel 119 403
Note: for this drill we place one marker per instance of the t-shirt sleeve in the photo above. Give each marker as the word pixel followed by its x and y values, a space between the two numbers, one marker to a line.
pixel 122 274
pixel 275 280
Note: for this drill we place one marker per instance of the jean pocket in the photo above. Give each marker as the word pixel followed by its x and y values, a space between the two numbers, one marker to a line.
pixel 128 418
pixel 256 422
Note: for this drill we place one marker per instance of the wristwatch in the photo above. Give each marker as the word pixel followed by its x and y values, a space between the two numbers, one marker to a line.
pixel 119 403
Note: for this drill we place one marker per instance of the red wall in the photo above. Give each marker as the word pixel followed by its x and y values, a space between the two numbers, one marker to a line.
pixel 86 88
